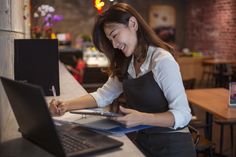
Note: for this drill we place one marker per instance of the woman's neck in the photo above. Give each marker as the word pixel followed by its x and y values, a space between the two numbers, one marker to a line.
pixel 139 57
pixel 138 63
pixel 140 52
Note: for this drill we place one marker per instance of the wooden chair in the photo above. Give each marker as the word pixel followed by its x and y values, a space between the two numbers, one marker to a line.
pixel 202 145
pixel 222 124
pixel 207 78
pixel 190 84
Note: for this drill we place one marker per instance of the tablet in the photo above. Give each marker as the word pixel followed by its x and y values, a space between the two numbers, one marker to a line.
pixel 97 113
pixel 232 94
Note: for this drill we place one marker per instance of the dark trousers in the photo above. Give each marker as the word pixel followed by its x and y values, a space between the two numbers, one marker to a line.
pixel 166 144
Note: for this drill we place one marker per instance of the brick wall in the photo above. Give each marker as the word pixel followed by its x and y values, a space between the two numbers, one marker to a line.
pixel 211 27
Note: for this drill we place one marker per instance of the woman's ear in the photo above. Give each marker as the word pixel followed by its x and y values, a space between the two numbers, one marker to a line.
pixel 133 23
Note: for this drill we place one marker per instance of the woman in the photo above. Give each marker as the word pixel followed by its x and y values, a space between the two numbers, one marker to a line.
pixel 143 69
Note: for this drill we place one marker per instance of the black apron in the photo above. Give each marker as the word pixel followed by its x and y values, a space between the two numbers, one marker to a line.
pixel 145 95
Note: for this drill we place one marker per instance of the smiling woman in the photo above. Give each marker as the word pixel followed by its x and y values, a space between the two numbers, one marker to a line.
pixel 142 68
pixel 123 37
pixel 135 38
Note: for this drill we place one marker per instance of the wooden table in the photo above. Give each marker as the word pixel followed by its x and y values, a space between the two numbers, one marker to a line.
pixel 215 102
pixel 16 146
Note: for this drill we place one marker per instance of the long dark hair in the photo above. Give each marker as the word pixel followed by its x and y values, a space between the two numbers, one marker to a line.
pixel 121 13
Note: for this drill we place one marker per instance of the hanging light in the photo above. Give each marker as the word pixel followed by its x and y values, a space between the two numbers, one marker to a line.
pixel 99 5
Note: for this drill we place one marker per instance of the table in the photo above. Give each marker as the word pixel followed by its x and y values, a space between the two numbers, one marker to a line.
pixel 17 146
pixel 215 102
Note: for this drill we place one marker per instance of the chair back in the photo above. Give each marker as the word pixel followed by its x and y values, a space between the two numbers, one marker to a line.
pixel 195 135
pixel 189 83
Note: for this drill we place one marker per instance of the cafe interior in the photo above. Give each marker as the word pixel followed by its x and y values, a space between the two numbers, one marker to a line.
pixel 202 33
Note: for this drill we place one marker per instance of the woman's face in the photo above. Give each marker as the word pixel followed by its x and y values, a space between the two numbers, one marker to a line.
pixel 123 37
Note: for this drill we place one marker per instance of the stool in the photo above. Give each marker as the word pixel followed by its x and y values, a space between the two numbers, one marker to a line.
pixel 222 123
pixel 202 145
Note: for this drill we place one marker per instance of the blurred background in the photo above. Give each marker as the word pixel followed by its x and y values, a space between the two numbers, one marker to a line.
pixel 201 31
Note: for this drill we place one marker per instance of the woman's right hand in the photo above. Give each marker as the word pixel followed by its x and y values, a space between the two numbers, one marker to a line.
pixel 57 108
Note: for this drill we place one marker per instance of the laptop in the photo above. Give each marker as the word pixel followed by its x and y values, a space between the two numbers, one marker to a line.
pixel 36 125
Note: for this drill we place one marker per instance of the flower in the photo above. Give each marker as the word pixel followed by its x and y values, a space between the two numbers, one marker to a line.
pixel 45 18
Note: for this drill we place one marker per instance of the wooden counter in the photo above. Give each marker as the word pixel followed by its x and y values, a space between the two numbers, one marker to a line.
pixel 17 146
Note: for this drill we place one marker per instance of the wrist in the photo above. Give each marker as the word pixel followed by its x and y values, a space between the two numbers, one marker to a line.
pixel 143 118
pixel 68 106
pixel 146 118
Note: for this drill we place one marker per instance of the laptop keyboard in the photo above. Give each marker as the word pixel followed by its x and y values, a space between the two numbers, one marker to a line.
pixel 72 143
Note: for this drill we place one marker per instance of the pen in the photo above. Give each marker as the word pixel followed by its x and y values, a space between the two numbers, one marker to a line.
pixel 54 97
pixel 54 91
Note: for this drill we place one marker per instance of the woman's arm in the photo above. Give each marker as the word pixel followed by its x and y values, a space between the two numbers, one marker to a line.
pixel 167 75
pixel 86 101
pixel 102 97
pixel 165 119
pixel 134 118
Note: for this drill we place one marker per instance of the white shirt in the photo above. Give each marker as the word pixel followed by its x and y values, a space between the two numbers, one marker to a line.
pixel 166 74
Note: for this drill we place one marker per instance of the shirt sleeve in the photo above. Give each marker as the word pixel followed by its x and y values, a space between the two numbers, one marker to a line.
pixel 108 92
pixel 168 77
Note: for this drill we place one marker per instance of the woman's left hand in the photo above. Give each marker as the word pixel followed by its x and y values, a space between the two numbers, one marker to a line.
pixel 131 117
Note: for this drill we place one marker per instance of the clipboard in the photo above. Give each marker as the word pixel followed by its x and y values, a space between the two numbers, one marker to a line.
pixel 96 113
pixel 98 123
